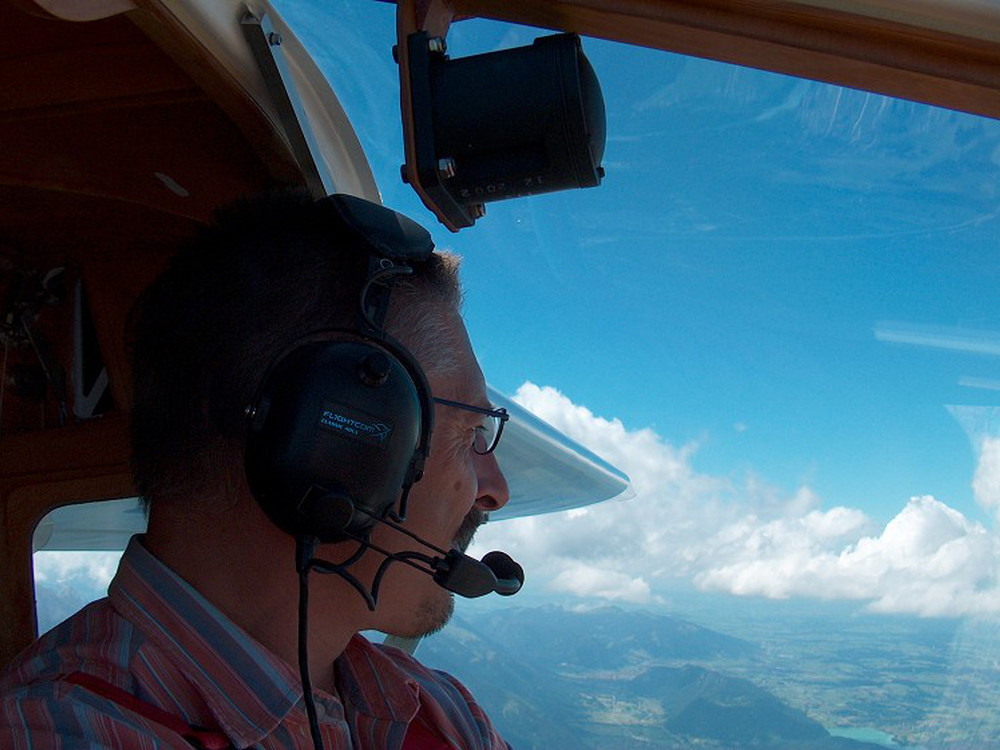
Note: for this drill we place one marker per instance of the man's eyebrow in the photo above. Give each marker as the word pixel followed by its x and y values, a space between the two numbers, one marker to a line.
pixel 474 397
pixel 479 403
pixel 479 416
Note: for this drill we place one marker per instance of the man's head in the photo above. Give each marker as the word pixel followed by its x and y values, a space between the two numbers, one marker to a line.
pixel 267 273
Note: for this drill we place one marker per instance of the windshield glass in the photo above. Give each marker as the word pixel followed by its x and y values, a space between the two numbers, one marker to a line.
pixel 777 315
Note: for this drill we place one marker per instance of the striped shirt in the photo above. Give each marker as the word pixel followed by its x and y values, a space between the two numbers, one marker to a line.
pixel 158 639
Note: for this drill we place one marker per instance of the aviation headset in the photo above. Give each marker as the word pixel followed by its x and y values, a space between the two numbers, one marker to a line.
pixel 341 424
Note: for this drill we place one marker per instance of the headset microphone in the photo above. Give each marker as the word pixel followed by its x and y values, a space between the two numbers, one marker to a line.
pixel 468 577
pixel 453 570
pixel 510 575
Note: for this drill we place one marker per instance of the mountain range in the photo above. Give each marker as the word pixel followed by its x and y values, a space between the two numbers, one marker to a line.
pixel 608 678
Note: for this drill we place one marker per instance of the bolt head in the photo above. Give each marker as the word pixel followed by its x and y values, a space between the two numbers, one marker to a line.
pixel 374 369
pixel 446 167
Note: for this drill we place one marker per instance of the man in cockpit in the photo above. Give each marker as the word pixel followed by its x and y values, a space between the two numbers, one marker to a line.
pixel 212 624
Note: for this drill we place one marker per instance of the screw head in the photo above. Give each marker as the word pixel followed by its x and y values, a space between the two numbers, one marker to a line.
pixel 446 167
pixel 374 369
pixel 274 39
pixel 437 45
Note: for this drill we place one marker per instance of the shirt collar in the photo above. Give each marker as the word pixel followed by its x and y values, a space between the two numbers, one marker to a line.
pixel 249 689
pixel 371 682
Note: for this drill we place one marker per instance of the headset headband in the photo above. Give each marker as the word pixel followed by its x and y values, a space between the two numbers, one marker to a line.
pixel 394 243
pixel 389 234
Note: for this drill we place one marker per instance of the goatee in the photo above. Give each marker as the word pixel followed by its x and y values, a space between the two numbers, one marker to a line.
pixel 472 521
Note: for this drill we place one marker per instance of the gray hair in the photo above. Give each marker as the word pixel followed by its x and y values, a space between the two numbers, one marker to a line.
pixel 422 315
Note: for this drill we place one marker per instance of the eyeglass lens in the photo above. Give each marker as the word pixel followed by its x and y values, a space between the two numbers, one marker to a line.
pixel 488 435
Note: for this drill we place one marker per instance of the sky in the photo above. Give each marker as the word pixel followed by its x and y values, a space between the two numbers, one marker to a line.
pixel 777 315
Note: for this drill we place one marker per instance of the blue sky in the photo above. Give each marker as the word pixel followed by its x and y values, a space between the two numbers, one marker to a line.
pixel 773 304
pixel 724 284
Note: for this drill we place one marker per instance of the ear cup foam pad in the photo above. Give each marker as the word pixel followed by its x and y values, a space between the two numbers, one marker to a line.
pixel 332 439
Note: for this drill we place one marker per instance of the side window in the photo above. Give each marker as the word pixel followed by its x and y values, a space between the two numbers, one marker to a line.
pixel 76 553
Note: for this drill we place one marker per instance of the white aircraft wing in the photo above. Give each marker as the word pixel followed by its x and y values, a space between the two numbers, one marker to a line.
pixel 546 470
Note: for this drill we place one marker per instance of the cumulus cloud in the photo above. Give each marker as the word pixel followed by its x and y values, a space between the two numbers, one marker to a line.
pixel 58 567
pixel 66 581
pixel 748 537
pixel 928 560
pixel 982 426
pixel 986 482
pixel 589 581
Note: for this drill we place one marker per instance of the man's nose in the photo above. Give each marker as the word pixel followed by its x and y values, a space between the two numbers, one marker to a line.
pixel 493 490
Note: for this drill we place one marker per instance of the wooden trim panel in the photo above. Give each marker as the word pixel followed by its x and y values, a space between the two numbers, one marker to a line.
pixel 41 471
pixel 886 57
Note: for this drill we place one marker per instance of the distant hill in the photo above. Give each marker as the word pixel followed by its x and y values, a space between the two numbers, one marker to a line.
pixel 552 679
pixel 607 638
pixel 534 707
pixel 707 704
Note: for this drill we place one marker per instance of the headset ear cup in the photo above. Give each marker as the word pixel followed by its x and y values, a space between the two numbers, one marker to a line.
pixel 334 514
pixel 336 432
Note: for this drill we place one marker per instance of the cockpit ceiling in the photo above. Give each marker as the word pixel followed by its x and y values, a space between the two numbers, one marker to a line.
pixel 105 139
pixel 945 53
pixel 112 129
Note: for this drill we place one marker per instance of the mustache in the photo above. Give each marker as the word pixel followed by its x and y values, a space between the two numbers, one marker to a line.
pixel 472 521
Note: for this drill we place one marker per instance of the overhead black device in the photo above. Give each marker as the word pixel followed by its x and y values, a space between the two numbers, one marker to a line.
pixel 499 125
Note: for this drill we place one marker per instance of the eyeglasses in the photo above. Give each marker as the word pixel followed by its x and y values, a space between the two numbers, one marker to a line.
pixel 488 434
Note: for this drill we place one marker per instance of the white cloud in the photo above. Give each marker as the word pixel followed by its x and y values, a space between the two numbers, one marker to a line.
pixel 590 581
pixel 986 482
pixel 59 567
pixel 66 581
pixel 982 426
pixel 928 560
pixel 748 538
